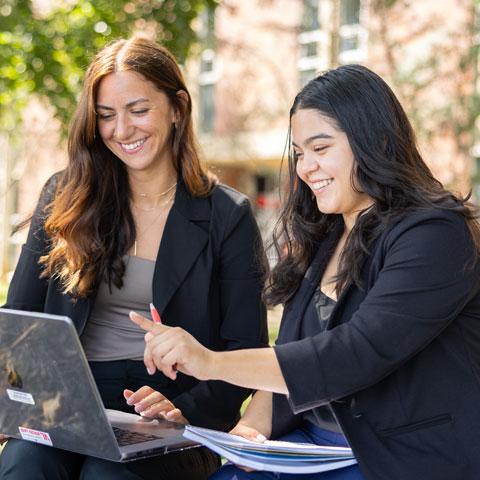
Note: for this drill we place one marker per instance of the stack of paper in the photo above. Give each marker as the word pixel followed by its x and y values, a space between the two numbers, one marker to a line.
pixel 273 456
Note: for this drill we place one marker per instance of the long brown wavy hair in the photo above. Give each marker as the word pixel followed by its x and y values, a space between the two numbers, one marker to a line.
pixel 387 167
pixel 89 224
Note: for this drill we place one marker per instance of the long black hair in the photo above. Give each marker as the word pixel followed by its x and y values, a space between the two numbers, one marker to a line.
pixel 387 167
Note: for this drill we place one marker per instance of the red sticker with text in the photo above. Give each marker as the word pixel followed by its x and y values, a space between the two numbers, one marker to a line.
pixel 35 436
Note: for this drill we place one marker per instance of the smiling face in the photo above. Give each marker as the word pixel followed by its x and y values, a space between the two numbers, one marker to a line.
pixel 135 121
pixel 325 162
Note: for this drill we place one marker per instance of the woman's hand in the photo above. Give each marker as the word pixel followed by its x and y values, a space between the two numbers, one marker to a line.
pixel 151 404
pixel 172 349
pixel 249 433
pixel 3 438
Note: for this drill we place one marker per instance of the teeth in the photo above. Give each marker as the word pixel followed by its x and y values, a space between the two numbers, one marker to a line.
pixel 322 183
pixel 132 146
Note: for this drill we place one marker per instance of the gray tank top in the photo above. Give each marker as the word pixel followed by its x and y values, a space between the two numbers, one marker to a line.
pixel 315 320
pixel 109 333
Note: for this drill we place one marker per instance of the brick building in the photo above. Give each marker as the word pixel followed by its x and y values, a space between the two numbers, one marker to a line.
pixel 255 55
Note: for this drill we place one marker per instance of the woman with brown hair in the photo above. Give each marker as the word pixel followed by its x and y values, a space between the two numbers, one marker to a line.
pixel 134 219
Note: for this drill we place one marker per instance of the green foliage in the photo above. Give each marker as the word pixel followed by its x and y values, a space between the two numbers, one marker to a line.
pixel 47 54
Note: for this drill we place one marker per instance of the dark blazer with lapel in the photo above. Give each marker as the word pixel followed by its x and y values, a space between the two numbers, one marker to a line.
pixel 208 280
pixel 400 360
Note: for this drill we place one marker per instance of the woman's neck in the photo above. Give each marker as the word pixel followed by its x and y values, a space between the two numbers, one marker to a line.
pixel 148 189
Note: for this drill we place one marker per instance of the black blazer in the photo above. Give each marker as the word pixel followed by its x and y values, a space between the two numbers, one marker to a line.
pixel 208 280
pixel 400 360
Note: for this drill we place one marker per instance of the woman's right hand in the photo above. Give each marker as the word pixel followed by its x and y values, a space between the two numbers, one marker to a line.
pixel 3 438
pixel 151 404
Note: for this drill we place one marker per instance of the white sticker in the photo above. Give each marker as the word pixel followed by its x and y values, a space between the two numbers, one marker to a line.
pixel 22 397
pixel 35 436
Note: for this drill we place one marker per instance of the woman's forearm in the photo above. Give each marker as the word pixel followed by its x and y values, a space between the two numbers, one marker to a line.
pixel 172 350
pixel 256 368
pixel 258 414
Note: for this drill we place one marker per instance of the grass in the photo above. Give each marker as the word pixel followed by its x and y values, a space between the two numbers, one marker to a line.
pixel 274 316
pixel 3 291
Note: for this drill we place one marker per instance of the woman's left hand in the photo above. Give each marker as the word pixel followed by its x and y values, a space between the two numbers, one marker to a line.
pixel 172 349
pixel 151 404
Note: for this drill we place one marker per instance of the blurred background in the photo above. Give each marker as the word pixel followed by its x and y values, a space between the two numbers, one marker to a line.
pixel 244 61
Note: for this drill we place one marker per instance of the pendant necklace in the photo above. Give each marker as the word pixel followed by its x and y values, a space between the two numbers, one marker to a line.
pixel 141 234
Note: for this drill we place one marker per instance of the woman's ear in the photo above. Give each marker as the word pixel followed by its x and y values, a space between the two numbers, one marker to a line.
pixel 183 97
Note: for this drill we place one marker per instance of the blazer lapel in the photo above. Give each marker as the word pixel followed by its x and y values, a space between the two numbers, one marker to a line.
pixel 182 242
pixel 309 283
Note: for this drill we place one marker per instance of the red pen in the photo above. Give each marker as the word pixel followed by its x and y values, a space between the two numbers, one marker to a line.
pixel 155 315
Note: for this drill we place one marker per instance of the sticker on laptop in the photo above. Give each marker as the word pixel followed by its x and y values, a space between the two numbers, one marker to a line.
pixel 35 436
pixel 22 397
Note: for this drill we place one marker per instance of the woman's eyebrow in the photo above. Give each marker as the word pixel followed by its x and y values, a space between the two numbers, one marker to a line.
pixel 128 105
pixel 315 137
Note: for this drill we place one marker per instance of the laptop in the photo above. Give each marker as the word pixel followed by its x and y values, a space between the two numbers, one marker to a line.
pixel 48 395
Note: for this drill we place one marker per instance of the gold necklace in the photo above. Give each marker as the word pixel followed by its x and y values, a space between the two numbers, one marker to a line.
pixel 141 234
pixel 161 194
pixel 160 205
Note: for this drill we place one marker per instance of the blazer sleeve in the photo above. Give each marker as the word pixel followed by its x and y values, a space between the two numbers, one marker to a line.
pixel 241 273
pixel 27 291
pixel 426 279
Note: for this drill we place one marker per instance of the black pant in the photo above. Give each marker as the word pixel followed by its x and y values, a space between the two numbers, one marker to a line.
pixel 21 460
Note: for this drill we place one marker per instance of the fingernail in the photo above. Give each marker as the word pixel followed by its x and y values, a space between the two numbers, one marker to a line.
pixel 151 371
pixel 129 401
pixel 261 438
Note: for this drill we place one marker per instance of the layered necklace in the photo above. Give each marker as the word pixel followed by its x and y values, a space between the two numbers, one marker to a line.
pixel 152 195
pixel 157 216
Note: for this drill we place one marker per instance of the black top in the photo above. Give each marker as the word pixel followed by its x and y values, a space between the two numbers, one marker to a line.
pixel 315 321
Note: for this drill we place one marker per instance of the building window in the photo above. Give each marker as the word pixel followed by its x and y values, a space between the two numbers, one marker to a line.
pixel 312 41
pixel 310 19
pixel 308 50
pixel 352 36
pixel 306 76
pixel 349 12
pixel 207 80
pixel 208 73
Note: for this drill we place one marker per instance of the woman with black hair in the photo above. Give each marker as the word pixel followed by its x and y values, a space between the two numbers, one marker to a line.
pixel 379 345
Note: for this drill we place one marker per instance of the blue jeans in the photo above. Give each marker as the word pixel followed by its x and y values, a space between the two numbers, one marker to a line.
pixel 308 433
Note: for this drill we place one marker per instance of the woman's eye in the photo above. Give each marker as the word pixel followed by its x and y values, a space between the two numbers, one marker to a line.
pixel 320 148
pixel 105 116
pixel 297 155
pixel 140 112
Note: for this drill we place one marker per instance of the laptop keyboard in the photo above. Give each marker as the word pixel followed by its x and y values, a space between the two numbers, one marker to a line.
pixel 127 437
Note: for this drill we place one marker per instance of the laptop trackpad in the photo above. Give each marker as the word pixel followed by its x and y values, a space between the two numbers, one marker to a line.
pixel 133 433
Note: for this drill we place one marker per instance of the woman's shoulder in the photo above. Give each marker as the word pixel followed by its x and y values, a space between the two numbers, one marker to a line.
pixel 443 222
pixel 50 187
pixel 226 201
pixel 224 194
pixel 429 215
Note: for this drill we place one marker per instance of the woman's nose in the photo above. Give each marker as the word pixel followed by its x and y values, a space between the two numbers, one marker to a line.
pixel 309 164
pixel 123 127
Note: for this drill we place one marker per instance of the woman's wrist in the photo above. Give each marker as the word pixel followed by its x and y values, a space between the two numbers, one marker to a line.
pixel 213 362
